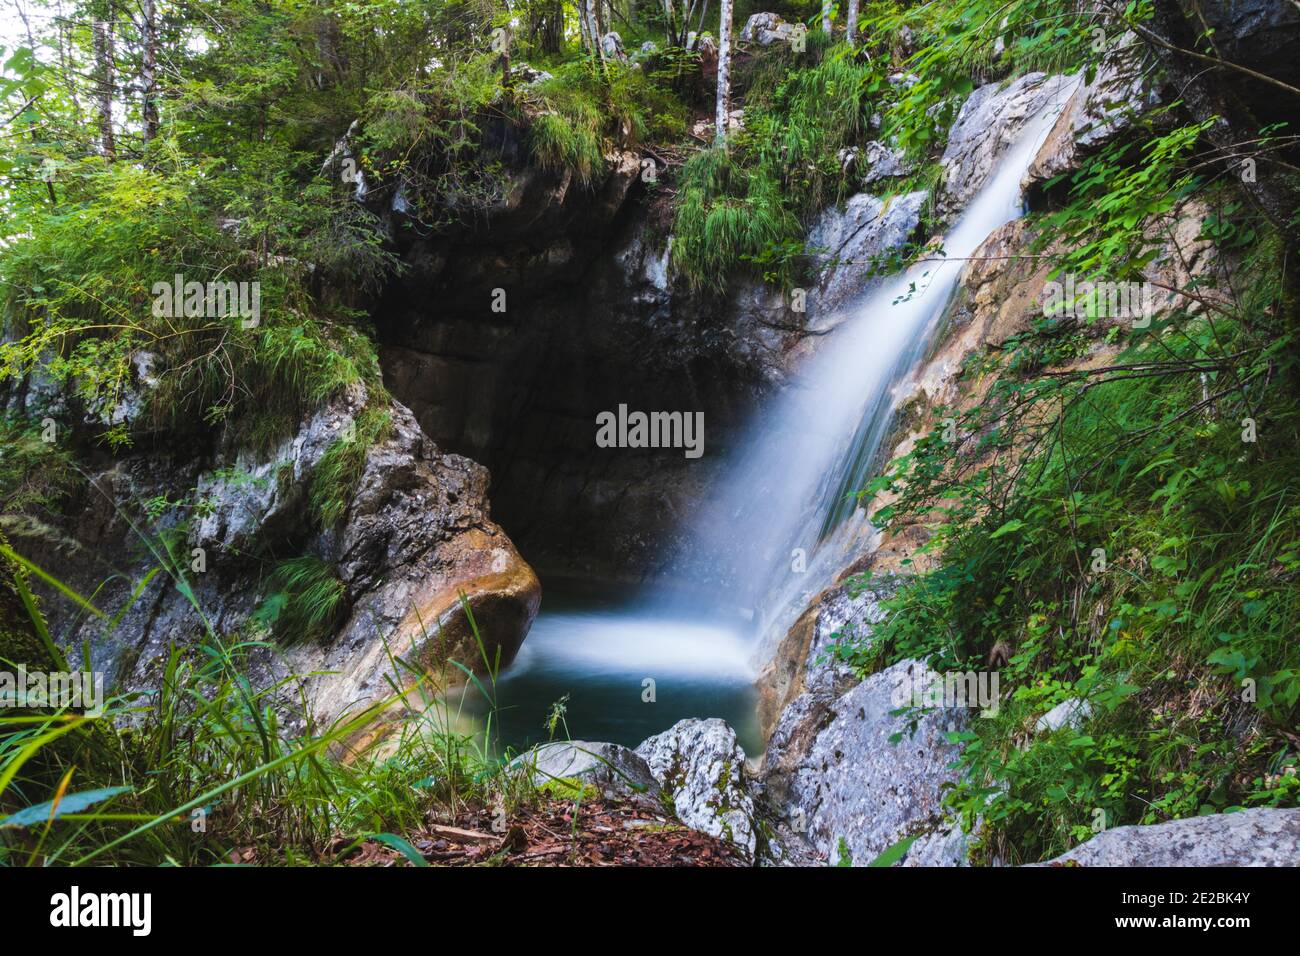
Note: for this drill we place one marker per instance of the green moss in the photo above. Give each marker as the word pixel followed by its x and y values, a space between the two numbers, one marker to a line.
pixel 335 479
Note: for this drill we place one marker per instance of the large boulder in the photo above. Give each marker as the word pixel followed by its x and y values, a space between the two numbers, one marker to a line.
pixel 990 121
pixel 766 29
pixel 884 162
pixel 612 44
pixel 834 776
pixel 615 771
pixel 701 768
pixel 1260 837
pixel 426 577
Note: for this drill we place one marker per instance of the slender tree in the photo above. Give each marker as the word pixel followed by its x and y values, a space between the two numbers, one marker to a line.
pixel 149 68
pixel 102 45
pixel 670 33
pixel 826 16
pixel 851 28
pixel 724 71
pixel 593 30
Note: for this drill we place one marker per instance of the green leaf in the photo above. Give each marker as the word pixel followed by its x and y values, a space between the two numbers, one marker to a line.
pixel 1015 524
pixel 895 852
pixel 71 803
pixel 401 846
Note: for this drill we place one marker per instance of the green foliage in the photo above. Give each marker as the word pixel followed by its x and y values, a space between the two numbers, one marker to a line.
pixel 560 142
pixel 957 44
pixel 337 474
pixel 746 204
pixel 34 474
pixel 726 215
pixel 587 109
pixel 803 110
pixel 202 766
pixel 82 293
pixel 1181 637
pixel 305 602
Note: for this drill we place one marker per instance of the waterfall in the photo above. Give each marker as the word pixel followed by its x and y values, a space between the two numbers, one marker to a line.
pixel 786 519
pixel 624 668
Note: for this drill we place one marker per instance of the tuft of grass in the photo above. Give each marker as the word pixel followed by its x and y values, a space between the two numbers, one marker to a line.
pixel 559 142
pixel 584 112
pixel 728 216
pixel 203 765
pixel 339 471
pixel 305 602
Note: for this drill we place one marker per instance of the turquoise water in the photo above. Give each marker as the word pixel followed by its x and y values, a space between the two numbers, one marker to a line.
pixel 600 652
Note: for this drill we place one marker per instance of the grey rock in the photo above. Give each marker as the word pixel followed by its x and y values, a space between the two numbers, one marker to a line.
pixel 990 120
pixel 766 29
pixel 612 44
pixel 833 773
pixel 701 767
pixel 884 162
pixel 127 407
pixel 529 75
pixel 1072 713
pixel 1097 112
pixel 1259 837
pixel 253 491
pixel 414 535
pixel 614 770
pixel 848 242
pixel 841 615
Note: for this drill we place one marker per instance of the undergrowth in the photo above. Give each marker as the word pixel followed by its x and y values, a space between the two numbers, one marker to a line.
pixel 1122 532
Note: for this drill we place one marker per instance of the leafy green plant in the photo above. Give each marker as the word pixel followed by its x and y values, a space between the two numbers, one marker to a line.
pixel 305 602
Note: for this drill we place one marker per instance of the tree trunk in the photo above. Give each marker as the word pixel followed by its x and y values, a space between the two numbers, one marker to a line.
pixel 102 42
pixel 149 69
pixel 724 71
pixel 851 28
pixel 826 17
pixel 551 28
pixel 597 45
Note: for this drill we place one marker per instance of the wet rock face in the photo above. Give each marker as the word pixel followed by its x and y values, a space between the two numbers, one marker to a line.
pixel 802 663
pixel 701 768
pixel 1263 34
pixel 990 121
pixel 588 318
pixel 840 784
pixel 850 243
pixel 1260 837
pixel 508 336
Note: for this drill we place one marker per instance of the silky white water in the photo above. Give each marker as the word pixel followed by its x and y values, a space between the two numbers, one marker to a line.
pixel 784 521
pixel 787 518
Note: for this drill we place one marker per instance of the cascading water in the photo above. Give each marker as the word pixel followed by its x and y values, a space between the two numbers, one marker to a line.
pixel 785 521
pixel 792 496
